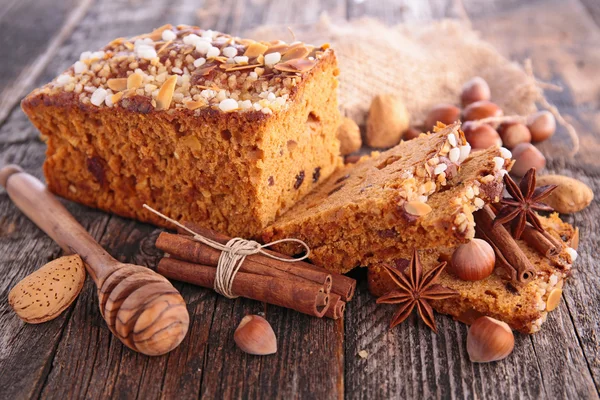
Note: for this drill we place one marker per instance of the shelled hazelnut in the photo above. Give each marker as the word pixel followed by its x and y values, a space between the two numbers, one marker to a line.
pixel 348 134
pixel 473 261
pixel 513 133
pixel 255 336
pixel 481 109
pixel 445 113
pixel 482 136
pixel 489 340
pixel 542 125
pixel 411 133
pixel 527 156
pixel 476 89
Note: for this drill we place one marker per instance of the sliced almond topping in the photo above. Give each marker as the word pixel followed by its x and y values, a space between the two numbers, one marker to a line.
pixel 163 47
pixel 116 97
pixel 157 33
pixel 417 208
pixel 205 70
pixel 134 81
pixel 255 49
pixel 241 67
pixel 193 105
pixel 553 299
pixel 117 84
pixel 260 59
pixel 129 45
pixel 165 93
pixel 279 48
pixel 296 52
pixel 297 65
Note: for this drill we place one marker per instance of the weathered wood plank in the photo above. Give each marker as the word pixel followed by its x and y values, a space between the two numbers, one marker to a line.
pixel 88 361
pixel 560 42
pixel 28 41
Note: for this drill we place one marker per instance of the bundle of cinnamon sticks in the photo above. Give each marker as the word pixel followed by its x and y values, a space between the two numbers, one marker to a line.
pixel 296 285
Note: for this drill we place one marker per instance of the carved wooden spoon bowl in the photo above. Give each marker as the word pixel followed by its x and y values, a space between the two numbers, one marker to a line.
pixel 141 307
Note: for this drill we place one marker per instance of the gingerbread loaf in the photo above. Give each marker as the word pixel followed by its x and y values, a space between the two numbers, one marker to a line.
pixel 205 127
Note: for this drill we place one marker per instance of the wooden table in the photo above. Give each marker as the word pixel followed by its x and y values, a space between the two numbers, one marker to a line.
pixel 75 356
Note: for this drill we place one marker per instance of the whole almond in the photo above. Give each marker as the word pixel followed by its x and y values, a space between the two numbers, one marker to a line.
pixel 482 136
pixel 542 125
pixel 514 133
pixel 570 196
pixel 476 89
pixel 348 134
pixel 444 113
pixel 527 156
pixel 388 119
pixel 480 110
pixel 47 292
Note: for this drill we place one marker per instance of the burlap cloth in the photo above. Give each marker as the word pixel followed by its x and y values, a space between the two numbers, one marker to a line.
pixel 424 64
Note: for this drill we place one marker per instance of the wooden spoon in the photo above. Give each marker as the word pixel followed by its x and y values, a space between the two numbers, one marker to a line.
pixel 141 307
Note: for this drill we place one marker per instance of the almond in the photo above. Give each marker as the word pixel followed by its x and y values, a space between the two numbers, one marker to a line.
pixel 348 134
pixel 388 119
pixel 570 196
pixel 47 292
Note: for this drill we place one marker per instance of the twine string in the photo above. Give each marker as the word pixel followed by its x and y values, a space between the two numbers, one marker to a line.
pixel 233 254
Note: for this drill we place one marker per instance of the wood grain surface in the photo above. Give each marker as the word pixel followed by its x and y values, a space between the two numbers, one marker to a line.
pixel 75 355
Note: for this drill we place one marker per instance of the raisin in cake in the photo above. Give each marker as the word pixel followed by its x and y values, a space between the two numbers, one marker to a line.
pixel 222 131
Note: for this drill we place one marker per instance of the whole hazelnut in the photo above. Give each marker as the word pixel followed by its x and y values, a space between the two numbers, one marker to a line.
pixel 388 119
pixel 480 110
pixel 473 261
pixel 445 113
pixel 489 340
pixel 513 133
pixel 476 89
pixel 348 134
pixel 411 133
pixel 527 156
pixel 542 125
pixel 255 336
pixel 482 136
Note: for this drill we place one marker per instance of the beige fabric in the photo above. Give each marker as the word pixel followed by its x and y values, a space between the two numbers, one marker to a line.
pixel 424 64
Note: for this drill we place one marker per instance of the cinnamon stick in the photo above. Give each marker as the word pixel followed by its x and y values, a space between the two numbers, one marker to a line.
pixel 187 249
pixel 505 247
pixel 336 307
pixel 543 242
pixel 308 298
pixel 342 285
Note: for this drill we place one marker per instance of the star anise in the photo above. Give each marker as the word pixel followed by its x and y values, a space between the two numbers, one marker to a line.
pixel 524 201
pixel 415 288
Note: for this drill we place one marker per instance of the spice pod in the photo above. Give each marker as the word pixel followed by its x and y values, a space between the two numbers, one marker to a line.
pixel 46 293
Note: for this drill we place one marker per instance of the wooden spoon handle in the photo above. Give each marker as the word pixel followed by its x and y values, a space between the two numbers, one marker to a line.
pixel 34 200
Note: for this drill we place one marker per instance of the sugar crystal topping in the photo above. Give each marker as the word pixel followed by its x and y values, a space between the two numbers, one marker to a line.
pixel 186 67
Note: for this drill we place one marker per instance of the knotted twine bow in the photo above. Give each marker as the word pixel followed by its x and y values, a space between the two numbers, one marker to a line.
pixel 233 254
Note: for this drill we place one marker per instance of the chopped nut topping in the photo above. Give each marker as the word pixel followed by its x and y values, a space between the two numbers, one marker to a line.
pixel 417 208
pixel 209 67
pixel 165 94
